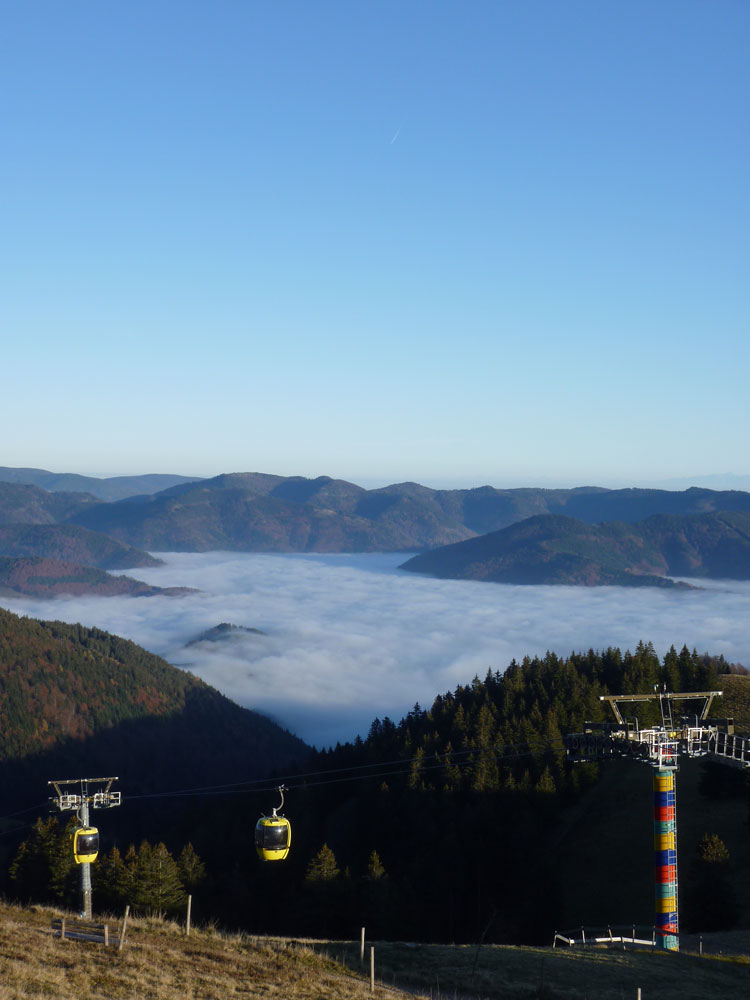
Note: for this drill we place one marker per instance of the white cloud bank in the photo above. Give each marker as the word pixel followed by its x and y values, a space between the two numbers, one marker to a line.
pixel 349 638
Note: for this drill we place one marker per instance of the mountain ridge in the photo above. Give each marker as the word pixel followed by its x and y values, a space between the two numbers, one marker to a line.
pixel 110 488
pixel 555 549
pixel 258 512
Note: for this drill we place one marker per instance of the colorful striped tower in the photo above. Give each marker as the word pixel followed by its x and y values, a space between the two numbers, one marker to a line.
pixel 665 859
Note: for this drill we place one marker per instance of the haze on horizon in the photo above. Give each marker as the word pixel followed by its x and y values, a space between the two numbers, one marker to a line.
pixel 457 244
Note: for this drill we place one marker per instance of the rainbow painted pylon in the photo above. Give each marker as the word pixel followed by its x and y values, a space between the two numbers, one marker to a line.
pixel 665 860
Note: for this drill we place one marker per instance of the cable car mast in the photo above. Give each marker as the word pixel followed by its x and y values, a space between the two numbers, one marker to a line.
pixel 661 746
pixel 86 838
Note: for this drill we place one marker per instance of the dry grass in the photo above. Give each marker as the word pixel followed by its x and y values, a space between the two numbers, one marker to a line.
pixel 498 972
pixel 159 962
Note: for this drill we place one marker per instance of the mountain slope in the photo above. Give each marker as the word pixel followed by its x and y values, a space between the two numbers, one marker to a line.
pixel 20 504
pixel 53 577
pixel 221 517
pixel 74 697
pixel 562 550
pixel 72 543
pixel 258 512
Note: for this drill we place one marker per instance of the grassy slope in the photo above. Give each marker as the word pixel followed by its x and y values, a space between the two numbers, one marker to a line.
pixel 159 961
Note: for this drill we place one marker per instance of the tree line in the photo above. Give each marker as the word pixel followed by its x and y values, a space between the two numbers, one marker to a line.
pixel 148 878
pixel 455 840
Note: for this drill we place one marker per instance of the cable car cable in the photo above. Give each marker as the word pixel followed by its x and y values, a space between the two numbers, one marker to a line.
pixel 22 811
pixel 398 765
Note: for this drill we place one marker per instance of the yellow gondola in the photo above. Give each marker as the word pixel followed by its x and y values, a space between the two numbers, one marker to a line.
pixel 273 834
pixel 85 844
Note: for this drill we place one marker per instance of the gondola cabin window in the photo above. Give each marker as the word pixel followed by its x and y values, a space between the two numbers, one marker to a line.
pixel 273 836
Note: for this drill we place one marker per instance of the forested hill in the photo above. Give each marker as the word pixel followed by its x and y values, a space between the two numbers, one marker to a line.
pixel 53 577
pixel 258 512
pixel 473 814
pixel 563 550
pixel 460 823
pixel 80 699
pixel 528 707
pixel 23 504
pixel 72 543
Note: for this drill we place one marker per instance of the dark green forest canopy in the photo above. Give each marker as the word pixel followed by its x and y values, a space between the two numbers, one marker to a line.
pixel 514 721
pixel 471 799
pixel 464 805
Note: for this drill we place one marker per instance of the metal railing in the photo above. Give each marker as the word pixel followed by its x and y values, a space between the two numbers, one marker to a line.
pixel 622 935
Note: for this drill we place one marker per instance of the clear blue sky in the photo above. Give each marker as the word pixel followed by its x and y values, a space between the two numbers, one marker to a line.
pixel 466 242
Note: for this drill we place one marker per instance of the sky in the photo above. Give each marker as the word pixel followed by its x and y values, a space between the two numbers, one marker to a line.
pixel 351 637
pixel 452 242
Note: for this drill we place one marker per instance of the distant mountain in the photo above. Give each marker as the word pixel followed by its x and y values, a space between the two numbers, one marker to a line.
pixel 553 549
pixel 246 513
pixel 79 701
pixel 264 513
pixel 113 488
pixel 72 543
pixel 53 577
pixel 717 481
pixel 22 504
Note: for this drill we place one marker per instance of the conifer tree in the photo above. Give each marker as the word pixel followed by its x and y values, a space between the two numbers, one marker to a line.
pixel 375 869
pixel 191 868
pixel 711 902
pixel 113 880
pixel 323 867
pixel 154 878
pixel 44 868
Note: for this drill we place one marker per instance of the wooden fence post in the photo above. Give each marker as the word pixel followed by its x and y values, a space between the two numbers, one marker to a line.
pixel 62 928
pixel 106 935
pixel 372 969
pixel 122 929
pixel 362 946
pixel 187 921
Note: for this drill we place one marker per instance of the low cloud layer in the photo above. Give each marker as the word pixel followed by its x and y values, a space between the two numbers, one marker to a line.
pixel 349 638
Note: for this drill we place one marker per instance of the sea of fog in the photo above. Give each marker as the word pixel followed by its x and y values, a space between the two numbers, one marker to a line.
pixel 351 637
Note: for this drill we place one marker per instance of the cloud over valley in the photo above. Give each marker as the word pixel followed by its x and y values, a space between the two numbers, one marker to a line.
pixel 347 638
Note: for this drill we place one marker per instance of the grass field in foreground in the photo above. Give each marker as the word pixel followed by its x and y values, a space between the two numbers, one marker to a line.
pixel 160 962
pixel 499 972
